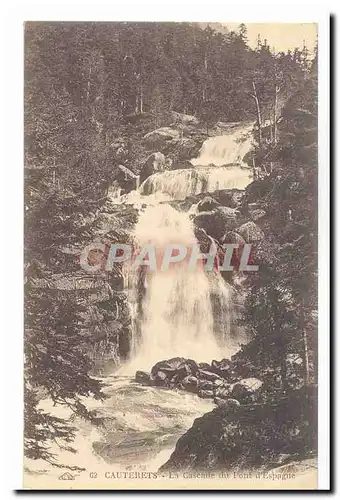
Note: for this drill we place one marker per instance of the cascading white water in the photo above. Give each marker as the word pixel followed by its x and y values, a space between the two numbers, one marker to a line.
pixel 220 165
pixel 177 312
pixel 178 184
pixel 182 312
pixel 229 148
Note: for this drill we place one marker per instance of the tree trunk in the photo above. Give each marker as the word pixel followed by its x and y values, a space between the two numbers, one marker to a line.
pixel 277 90
pixel 271 128
pixel 305 357
pixel 258 110
pixel 88 85
pixel 254 170
pixel 141 99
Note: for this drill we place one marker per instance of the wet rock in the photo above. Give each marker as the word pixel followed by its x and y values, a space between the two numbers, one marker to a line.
pixel 219 382
pixel 160 379
pixel 245 389
pixel 217 222
pixel 232 370
pixel 227 404
pixel 176 366
pixel 208 203
pixel 204 366
pixel 205 393
pixel 208 375
pixel 190 384
pixel 205 385
pixel 211 223
pixel 221 367
pixel 244 369
pixel 223 391
pixel 250 232
pixel 156 162
pixel 125 178
pixel 143 377
pixel 228 213
pixel 186 149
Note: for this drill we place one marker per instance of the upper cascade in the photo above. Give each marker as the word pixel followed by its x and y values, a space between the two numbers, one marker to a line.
pixel 219 165
pixel 229 148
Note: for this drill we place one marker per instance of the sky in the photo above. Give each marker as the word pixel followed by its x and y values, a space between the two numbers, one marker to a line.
pixel 281 36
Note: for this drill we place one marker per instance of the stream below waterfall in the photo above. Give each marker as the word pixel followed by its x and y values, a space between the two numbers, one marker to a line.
pixel 142 424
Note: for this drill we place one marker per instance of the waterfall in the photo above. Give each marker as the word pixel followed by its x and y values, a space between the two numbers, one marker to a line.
pixel 182 312
pixel 229 148
pixel 220 165
pixel 178 184
pixel 177 317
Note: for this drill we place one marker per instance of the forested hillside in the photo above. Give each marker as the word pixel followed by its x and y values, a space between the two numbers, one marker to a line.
pixel 92 92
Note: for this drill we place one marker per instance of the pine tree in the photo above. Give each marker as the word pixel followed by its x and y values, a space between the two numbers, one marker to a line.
pixel 281 304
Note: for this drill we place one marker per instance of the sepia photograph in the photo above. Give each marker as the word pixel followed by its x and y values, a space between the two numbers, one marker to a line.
pixel 170 255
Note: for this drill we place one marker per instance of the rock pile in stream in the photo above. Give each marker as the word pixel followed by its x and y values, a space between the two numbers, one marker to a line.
pixel 232 381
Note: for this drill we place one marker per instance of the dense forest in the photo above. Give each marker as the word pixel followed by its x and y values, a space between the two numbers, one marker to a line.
pixel 92 91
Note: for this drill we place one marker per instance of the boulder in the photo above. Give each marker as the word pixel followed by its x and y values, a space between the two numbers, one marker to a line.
pixel 205 385
pixel 228 213
pixel 204 366
pixel 223 391
pixel 231 237
pixel 232 370
pixel 222 367
pixel 186 149
pixel 208 203
pixel 175 380
pixel 250 232
pixel 205 394
pixel 161 137
pixel 143 378
pixel 246 389
pixel 208 375
pixel 205 241
pixel 231 197
pixel 160 379
pixel 219 382
pixel 227 404
pixel 217 222
pixel 189 384
pixel 175 366
pixel 156 162
pixel 126 179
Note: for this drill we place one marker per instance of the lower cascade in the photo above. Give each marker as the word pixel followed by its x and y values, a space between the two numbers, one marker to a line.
pixel 172 310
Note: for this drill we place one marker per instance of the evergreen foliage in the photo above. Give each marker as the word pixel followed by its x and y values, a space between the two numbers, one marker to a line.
pixel 91 86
